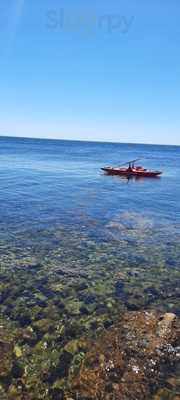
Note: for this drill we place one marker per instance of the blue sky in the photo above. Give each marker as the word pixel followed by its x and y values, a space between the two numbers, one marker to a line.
pixel 104 70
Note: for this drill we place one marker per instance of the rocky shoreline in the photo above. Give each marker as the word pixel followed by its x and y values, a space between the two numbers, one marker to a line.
pixel 135 359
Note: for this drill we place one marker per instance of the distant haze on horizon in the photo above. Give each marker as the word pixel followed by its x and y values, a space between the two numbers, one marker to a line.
pixel 98 72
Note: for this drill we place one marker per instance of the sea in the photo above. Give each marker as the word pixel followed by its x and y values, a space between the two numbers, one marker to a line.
pixel 66 231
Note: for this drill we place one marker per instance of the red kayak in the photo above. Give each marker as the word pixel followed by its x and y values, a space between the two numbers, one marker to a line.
pixel 131 170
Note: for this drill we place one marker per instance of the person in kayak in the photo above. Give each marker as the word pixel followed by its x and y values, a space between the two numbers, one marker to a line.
pixel 131 166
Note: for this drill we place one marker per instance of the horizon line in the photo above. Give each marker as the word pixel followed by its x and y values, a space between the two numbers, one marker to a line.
pixel 89 141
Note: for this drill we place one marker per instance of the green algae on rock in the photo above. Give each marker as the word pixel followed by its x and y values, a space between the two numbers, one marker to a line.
pixel 8 334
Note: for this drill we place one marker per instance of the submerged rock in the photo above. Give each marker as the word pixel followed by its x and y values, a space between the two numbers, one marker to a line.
pixel 130 360
pixel 17 351
pixel 74 346
pixel 165 325
pixel 6 358
pixel 6 349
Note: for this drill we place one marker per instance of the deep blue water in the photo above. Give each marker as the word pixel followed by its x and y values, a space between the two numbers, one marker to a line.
pixel 49 183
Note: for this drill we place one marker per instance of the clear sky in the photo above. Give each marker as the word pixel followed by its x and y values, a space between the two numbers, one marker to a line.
pixel 97 70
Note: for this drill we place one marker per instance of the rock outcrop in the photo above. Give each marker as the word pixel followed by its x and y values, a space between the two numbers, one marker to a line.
pixel 131 360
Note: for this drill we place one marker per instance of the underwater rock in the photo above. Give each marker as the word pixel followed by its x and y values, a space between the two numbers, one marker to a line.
pixel 15 393
pixel 3 395
pixel 173 383
pixel 56 394
pixel 72 347
pixel 6 350
pixel 28 336
pixel 43 325
pixel 165 325
pixel 165 394
pixel 73 307
pixel 17 351
pixel 75 346
pixel 61 370
pixel 57 287
pixel 132 305
pixel 73 329
pixel 119 289
pixel 17 370
pixel 130 360
pixel 6 358
pixel 4 292
pixel 24 318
